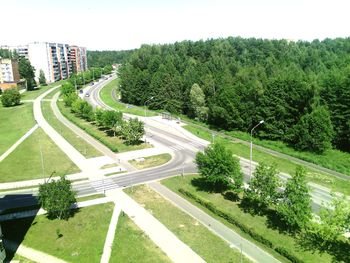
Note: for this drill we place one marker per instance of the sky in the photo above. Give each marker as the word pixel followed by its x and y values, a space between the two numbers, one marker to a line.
pixel 127 24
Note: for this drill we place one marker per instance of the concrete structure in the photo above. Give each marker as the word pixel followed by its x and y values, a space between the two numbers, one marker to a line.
pixel 78 58
pixel 9 75
pixel 20 50
pixel 2 248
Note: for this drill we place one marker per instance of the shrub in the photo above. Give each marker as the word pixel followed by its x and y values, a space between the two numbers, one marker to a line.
pixel 11 97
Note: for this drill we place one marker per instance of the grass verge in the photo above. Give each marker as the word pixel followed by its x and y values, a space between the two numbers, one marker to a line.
pixel 113 143
pixel 75 140
pixel 151 161
pixel 106 97
pixel 283 165
pixel 14 123
pixel 131 244
pixel 89 197
pixel 77 239
pixel 262 226
pixel 33 94
pixel 201 240
pixel 24 163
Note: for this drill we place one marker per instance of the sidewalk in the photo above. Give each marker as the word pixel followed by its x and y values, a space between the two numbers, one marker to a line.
pixel 175 249
pixel 248 248
pixel 37 256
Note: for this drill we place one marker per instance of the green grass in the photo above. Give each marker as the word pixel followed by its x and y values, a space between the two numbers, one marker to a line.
pixel 201 240
pixel 131 244
pixel 31 95
pixel 332 159
pixel 14 123
pixel 258 223
pixel 21 259
pixel 24 163
pixel 106 97
pixel 89 197
pixel 283 165
pixel 151 161
pixel 114 143
pixel 75 140
pixel 82 239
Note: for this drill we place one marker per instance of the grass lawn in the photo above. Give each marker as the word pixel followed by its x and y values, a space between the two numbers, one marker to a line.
pixel 151 161
pixel 20 259
pixel 114 143
pixel 201 240
pixel 24 163
pixel 82 236
pixel 33 94
pixel 260 224
pixel 283 165
pixel 131 244
pixel 78 143
pixel 106 97
pixel 14 123
pixel 89 197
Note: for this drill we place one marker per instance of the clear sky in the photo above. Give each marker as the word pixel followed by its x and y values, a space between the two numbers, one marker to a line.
pixel 126 24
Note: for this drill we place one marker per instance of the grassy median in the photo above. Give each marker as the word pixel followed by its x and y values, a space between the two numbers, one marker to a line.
pixel 151 161
pixel 201 240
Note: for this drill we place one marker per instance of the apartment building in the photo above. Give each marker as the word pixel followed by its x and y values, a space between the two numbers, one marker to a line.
pixel 57 61
pixel 9 75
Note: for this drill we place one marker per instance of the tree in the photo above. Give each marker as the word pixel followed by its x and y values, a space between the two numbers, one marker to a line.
pixel 11 97
pixel 42 79
pixel 69 98
pixel 132 131
pixel 67 88
pixel 294 208
pixel 314 132
pixel 219 167
pixel 56 197
pixel 26 71
pixel 197 99
pixel 263 187
pixel 112 120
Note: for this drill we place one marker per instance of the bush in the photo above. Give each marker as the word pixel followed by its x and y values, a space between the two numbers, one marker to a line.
pixel 11 97
pixel 246 229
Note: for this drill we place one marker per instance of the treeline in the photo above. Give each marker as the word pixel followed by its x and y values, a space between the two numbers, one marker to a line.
pixel 300 89
pixel 104 58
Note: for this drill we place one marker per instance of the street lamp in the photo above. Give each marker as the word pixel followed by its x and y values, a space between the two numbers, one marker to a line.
pixel 151 98
pixel 251 147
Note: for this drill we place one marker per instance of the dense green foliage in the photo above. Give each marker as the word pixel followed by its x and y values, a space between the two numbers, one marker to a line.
pixel 104 58
pixel 295 206
pixel 11 97
pixel 42 79
pixel 27 72
pixel 246 80
pixel 263 187
pixel 56 197
pixel 219 168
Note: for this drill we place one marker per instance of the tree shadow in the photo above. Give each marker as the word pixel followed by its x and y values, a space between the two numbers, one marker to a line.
pixel 339 249
pixel 230 195
pixel 201 184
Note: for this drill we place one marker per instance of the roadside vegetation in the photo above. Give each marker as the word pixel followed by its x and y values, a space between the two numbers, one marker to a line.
pixel 283 165
pixel 79 238
pixel 15 122
pixel 262 228
pixel 25 162
pixel 150 161
pixel 33 94
pixel 131 244
pixel 78 143
pixel 109 95
pixel 201 240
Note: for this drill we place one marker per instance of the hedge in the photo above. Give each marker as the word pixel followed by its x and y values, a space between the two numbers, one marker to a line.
pixel 250 231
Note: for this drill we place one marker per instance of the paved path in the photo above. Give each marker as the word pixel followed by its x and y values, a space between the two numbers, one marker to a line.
pixel 89 139
pixel 248 248
pixel 37 256
pixel 15 145
pixel 107 249
pixel 175 249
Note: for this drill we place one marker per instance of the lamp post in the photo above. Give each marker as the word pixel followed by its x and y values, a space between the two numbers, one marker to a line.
pixel 151 98
pixel 251 148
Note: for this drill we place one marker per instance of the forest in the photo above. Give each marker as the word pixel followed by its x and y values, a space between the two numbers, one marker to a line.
pixel 300 89
pixel 105 58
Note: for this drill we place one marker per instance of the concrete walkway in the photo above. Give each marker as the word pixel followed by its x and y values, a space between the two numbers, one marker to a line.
pixel 175 249
pixel 248 248
pixel 37 256
pixel 16 144
pixel 107 249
